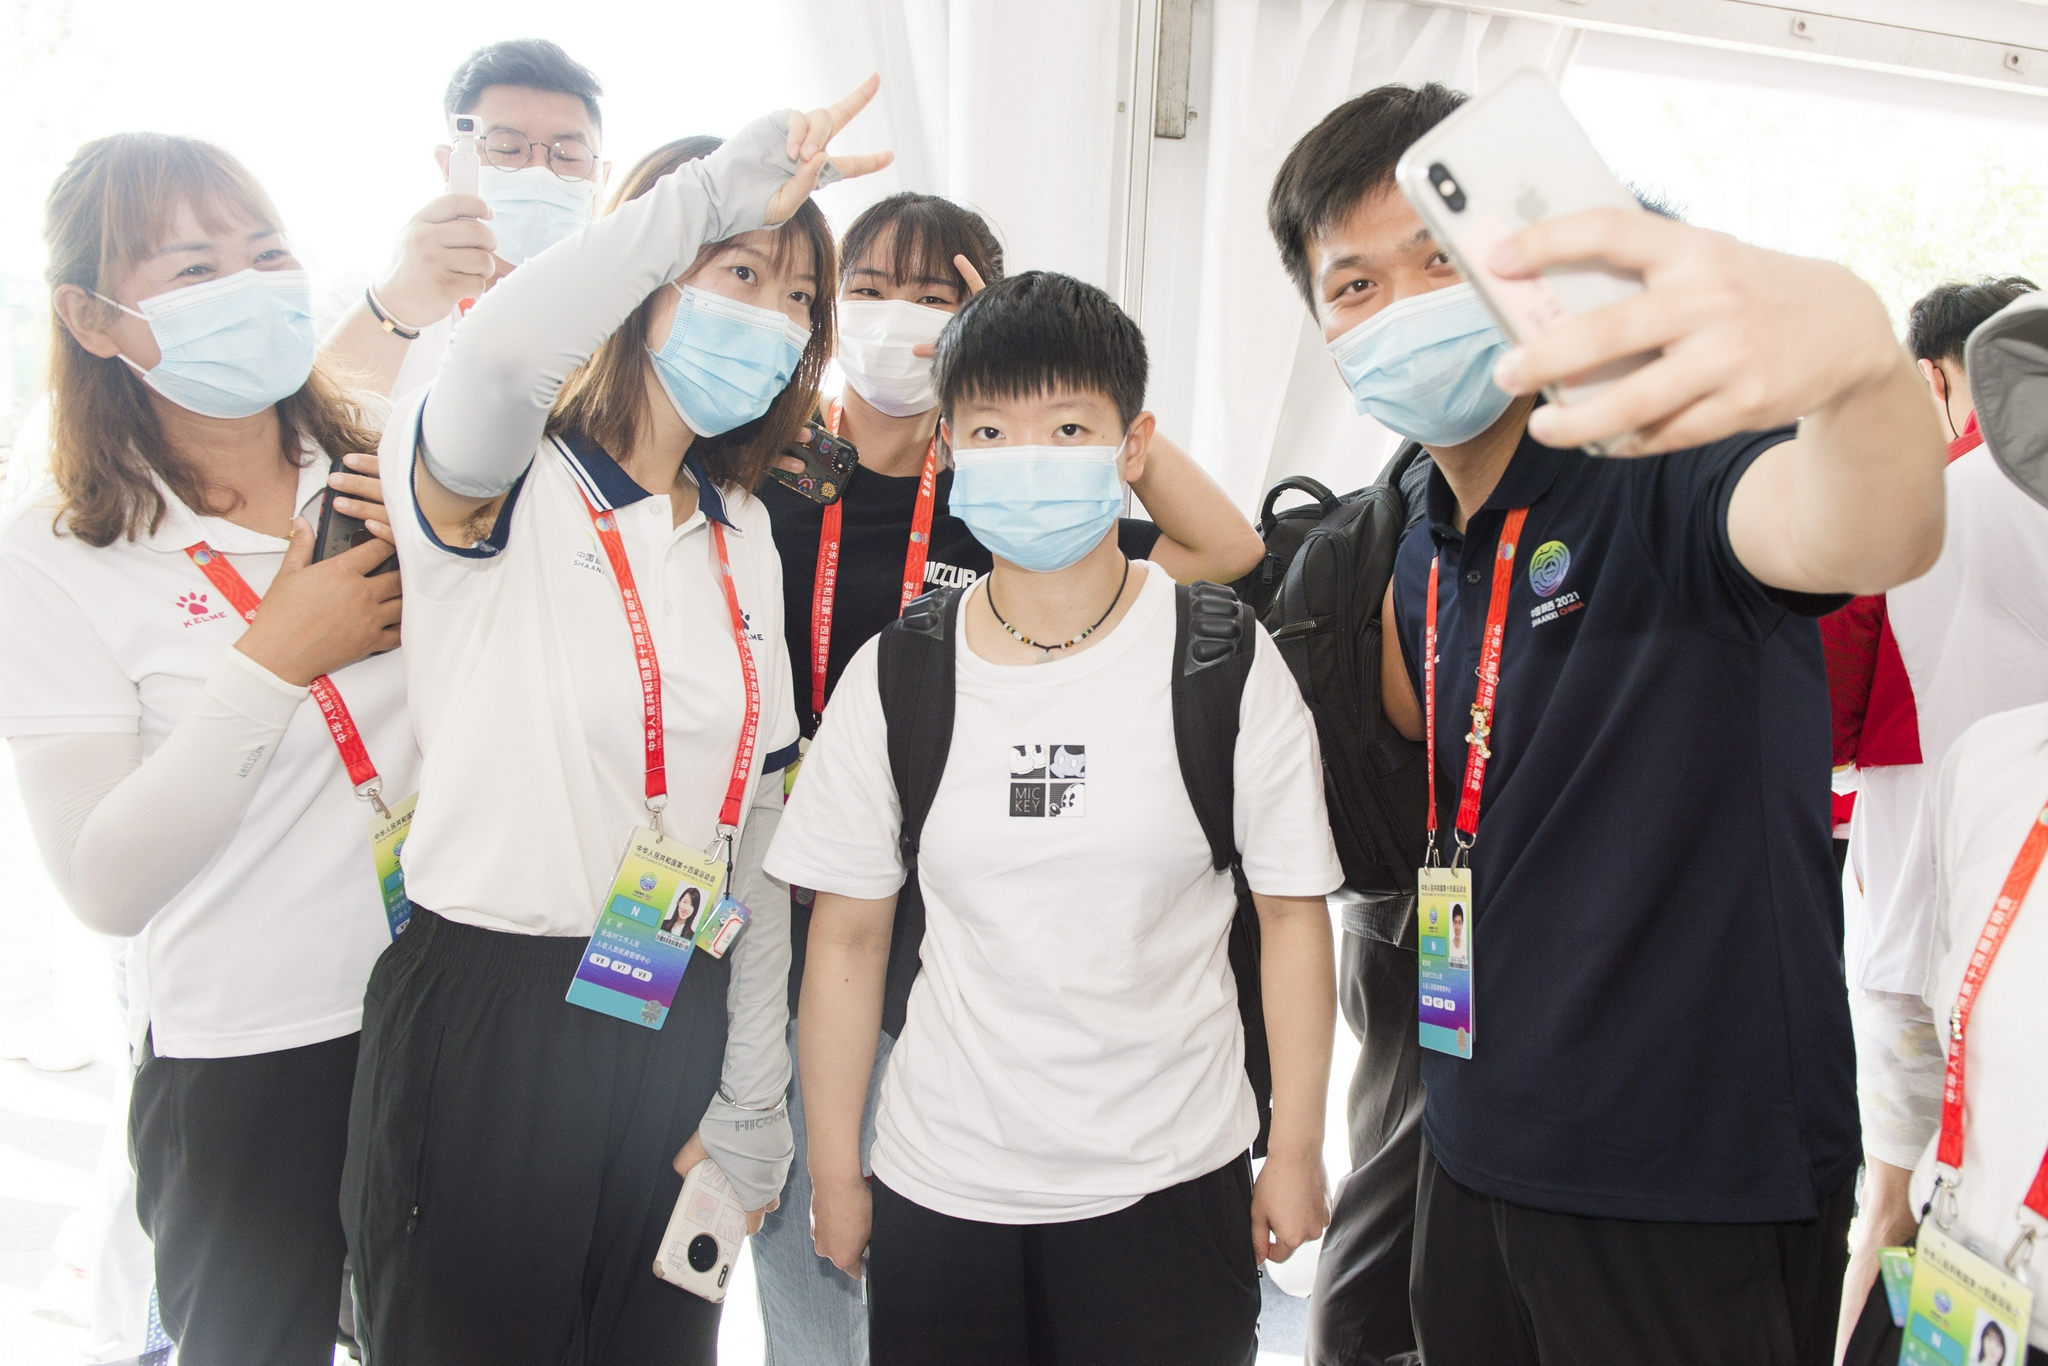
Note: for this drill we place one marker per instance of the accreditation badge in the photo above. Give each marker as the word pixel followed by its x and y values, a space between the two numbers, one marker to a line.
pixel 647 929
pixel 1443 913
pixel 1962 1308
pixel 388 830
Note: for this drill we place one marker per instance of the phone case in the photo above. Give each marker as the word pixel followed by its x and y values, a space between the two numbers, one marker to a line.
pixel 1513 157
pixel 704 1234
pixel 463 165
pixel 339 532
pixel 828 460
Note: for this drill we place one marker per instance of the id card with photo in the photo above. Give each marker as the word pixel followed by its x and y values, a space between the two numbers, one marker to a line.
pixel 1962 1309
pixel 647 929
pixel 387 844
pixel 1443 914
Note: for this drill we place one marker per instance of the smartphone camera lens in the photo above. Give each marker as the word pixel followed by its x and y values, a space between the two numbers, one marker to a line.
pixel 1447 186
pixel 703 1253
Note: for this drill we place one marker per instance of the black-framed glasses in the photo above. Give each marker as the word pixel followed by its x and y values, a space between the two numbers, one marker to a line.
pixel 509 150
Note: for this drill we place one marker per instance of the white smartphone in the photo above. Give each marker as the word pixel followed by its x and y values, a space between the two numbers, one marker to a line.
pixel 467 155
pixel 704 1234
pixel 1513 157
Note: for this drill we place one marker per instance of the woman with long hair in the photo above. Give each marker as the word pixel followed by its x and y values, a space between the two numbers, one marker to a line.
pixel 182 789
pixel 604 704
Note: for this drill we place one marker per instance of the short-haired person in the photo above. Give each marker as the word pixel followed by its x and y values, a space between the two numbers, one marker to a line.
pixel 1060 1162
pixel 909 263
pixel 1650 1151
pixel 601 672
pixel 542 171
pixel 183 790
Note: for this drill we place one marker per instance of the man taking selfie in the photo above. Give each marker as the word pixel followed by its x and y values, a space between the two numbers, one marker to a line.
pixel 1649 1153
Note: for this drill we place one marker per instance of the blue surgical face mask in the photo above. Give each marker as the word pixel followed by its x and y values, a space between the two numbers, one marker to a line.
pixel 724 361
pixel 532 208
pixel 231 347
pixel 1039 507
pixel 1423 366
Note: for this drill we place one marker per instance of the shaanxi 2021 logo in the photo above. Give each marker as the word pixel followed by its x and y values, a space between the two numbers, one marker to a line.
pixel 1548 566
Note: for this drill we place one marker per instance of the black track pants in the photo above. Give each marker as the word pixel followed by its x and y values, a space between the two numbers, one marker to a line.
pixel 509 1158
pixel 1170 1281
pixel 1500 1284
pixel 237 1166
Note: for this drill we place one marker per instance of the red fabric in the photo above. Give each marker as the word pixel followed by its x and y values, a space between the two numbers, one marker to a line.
pixel 1869 694
pixel 1969 441
pixel 1845 807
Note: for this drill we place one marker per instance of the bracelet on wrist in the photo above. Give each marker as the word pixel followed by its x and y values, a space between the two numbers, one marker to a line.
pixel 384 318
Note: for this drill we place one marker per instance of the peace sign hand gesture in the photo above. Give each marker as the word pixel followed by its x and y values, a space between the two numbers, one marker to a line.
pixel 807 145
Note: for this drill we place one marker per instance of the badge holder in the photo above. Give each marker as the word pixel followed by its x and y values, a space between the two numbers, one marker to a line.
pixel 667 899
pixel 1445 913
pixel 389 825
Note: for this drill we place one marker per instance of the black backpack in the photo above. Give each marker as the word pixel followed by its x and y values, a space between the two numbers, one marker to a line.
pixel 1214 640
pixel 1325 617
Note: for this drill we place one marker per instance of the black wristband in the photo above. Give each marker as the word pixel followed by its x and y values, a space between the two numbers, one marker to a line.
pixel 390 324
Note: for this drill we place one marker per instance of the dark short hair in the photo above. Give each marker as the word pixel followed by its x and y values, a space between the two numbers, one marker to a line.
pixel 926 232
pixel 1038 332
pixel 533 63
pixel 1344 159
pixel 1942 319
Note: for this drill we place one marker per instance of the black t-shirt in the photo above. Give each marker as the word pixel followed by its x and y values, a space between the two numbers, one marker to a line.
pixel 1660 1025
pixel 874 537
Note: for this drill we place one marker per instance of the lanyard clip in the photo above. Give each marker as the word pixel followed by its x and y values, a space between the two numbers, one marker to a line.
pixel 655 806
pixel 2022 1250
pixel 1943 1201
pixel 1464 842
pixel 373 793
pixel 1430 857
pixel 723 848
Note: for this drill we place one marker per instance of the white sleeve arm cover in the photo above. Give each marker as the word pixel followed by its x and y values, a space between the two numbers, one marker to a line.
pixel 122 834
pixel 746 1129
pixel 1899 1066
pixel 491 398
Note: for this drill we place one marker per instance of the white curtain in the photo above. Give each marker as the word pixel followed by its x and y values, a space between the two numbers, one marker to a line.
pixel 1013 108
pixel 1265 399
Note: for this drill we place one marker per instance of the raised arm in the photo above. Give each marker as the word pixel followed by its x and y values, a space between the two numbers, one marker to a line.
pixel 1750 339
pixel 1202 535
pixel 491 399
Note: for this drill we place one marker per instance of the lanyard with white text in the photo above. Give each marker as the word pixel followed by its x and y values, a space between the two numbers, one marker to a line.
pixel 361 772
pixel 650 677
pixel 1476 752
pixel 1948 1164
pixel 825 590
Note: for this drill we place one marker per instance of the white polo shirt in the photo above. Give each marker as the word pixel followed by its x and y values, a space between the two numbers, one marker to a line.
pixel 270 945
pixel 1988 791
pixel 526 695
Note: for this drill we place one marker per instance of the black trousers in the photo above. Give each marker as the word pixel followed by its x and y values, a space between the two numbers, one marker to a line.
pixel 1358 1313
pixel 1170 1280
pixel 1501 1284
pixel 237 1169
pixel 510 1158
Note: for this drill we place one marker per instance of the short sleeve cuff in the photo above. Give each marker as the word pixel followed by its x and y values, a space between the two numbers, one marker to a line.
pixel 240 683
pixel 796 873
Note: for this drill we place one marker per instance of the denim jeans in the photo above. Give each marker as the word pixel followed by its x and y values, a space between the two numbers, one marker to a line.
pixel 812 1313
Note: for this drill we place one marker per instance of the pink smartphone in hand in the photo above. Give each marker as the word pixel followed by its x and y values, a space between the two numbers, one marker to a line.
pixel 1514 157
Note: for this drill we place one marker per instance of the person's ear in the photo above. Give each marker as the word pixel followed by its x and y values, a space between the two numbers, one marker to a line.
pixel 1137 445
pixel 1936 380
pixel 83 316
pixel 441 155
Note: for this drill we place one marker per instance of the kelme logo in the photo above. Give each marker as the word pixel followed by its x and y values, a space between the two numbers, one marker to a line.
pixel 1548 566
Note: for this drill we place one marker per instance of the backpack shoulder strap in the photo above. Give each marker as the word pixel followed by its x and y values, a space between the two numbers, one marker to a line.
pixel 1214 639
pixel 916 679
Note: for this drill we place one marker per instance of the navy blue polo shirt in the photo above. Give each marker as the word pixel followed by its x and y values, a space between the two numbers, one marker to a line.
pixel 1660 1024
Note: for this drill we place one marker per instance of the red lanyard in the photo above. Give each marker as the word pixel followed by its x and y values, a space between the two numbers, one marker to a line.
pixel 2004 911
pixel 607 525
pixel 826 588
pixel 361 772
pixel 1476 752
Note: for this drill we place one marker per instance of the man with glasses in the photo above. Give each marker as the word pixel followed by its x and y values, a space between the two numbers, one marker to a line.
pixel 539 134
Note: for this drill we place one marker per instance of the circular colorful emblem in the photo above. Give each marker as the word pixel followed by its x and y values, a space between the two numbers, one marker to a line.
pixel 1548 566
